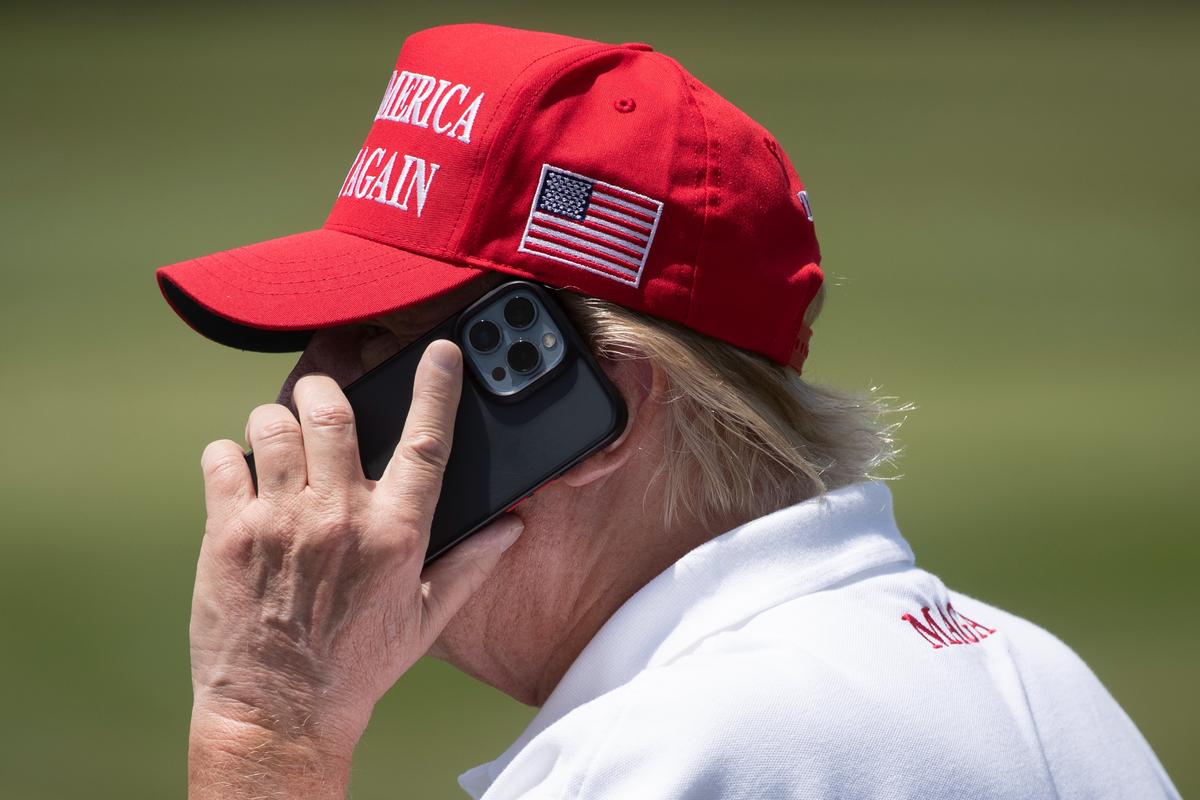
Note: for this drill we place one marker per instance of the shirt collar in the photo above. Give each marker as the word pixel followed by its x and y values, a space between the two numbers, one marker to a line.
pixel 727 580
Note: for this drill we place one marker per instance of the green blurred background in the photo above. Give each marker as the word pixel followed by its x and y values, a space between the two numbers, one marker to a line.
pixel 1007 202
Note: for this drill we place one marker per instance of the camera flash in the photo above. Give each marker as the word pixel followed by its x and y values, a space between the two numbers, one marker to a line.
pixel 549 340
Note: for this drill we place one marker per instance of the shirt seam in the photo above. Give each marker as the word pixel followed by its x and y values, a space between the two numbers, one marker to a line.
pixel 1037 733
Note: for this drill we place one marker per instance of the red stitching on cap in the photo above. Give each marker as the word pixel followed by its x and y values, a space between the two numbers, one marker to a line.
pixel 394 269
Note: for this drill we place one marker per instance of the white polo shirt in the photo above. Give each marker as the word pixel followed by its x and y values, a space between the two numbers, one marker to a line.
pixel 803 655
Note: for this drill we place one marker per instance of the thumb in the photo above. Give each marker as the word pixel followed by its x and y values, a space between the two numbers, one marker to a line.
pixel 447 583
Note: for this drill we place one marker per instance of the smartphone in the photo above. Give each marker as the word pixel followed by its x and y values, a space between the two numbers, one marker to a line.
pixel 534 403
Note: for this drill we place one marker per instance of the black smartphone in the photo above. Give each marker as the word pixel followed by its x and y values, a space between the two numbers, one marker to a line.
pixel 534 403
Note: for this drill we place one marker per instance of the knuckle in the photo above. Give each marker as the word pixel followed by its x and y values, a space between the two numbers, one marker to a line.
pixel 409 520
pixel 235 544
pixel 427 449
pixel 330 529
pixel 221 466
pixel 272 523
pixel 326 495
pixel 277 431
pixel 331 415
pixel 474 571
pixel 438 389
pixel 327 535
pixel 332 513
pixel 396 546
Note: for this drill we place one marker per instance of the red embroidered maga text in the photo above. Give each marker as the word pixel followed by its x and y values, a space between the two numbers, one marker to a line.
pixel 955 628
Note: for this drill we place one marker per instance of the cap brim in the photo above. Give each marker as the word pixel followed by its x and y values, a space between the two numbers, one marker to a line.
pixel 271 296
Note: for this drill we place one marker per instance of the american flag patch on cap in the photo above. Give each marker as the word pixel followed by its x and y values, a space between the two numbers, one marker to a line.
pixel 591 225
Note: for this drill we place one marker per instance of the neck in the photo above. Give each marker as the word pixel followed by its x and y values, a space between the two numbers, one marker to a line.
pixel 585 551
pixel 633 552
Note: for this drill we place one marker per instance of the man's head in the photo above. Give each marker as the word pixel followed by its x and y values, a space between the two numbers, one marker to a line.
pixel 682 239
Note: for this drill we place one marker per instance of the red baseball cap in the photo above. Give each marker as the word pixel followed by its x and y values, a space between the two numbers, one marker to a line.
pixel 605 169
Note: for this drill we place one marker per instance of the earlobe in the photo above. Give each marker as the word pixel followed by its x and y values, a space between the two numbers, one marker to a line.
pixel 642 385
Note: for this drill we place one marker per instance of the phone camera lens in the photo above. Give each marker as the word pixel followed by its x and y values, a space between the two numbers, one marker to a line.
pixel 520 312
pixel 484 336
pixel 523 358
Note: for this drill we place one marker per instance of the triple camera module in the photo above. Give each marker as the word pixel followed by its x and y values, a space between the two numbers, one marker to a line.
pixel 512 341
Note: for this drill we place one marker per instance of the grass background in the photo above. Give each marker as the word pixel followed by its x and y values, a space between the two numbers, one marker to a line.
pixel 1007 202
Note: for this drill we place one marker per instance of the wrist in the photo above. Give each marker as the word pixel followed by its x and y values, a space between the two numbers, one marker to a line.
pixel 299 726
pixel 286 710
pixel 232 756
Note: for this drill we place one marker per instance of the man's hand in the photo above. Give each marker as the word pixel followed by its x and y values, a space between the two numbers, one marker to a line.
pixel 310 600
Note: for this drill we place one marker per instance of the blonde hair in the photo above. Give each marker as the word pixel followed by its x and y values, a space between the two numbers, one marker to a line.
pixel 744 435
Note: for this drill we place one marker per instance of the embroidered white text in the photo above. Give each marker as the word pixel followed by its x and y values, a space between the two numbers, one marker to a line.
pixel 427 102
pixel 372 177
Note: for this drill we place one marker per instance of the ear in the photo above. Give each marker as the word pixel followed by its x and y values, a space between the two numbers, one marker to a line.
pixel 642 384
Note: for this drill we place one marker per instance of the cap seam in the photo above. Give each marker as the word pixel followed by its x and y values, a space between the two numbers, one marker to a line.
pixel 458 237
pixel 502 148
pixel 707 171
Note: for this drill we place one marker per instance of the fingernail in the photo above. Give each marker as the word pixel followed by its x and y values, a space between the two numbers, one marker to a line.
pixel 511 532
pixel 444 354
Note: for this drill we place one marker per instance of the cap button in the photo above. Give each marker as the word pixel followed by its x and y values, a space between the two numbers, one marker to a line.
pixel 637 46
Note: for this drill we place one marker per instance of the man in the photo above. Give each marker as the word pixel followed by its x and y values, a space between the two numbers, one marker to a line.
pixel 717 604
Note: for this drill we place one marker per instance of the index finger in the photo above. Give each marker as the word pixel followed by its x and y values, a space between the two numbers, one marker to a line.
pixel 413 478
